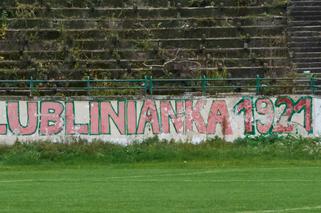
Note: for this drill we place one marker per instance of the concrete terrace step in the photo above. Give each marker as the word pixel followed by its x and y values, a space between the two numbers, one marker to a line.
pixel 114 39
pixel 308 64
pixel 304 38
pixel 78 23
pixel 305 9
pixel 307 49
pixel 143 23
pixel 302 41
pixel 303 23
pixel 150 61
pixel 305 28
pixel 307 54
pixel 130 54
pixel 307 17
pixel 114 64
pixel 304 14
pixel 151 12
pixel 313 69
pixel 235 71
pixel 303 1
pixel 304 4
pixel 124 3
pixel 304 44
pixel 139 19
pixel 305 34
pixel 162 43
pixel 161 33
pixel 306 59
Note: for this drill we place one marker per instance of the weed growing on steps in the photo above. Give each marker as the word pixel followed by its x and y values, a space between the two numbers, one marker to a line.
pixel 3 24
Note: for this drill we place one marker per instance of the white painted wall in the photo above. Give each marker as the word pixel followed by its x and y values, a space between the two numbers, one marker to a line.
pixel 302 116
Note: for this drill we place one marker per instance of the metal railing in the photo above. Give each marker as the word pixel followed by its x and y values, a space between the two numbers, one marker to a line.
pixel 150 86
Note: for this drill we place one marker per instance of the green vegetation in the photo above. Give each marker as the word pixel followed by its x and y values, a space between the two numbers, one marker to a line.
pixel 113 39
pixel 3 24
pixel 189 187
pixel 154 150
pixel 26 10
pixel 266 174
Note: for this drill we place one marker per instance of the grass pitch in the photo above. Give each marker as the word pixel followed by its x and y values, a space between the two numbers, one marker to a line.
pixel 196 186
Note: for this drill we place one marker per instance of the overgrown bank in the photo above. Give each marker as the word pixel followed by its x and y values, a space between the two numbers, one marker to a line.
pixel 154 150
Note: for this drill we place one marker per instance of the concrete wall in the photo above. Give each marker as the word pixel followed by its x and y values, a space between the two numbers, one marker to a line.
pixel 181 118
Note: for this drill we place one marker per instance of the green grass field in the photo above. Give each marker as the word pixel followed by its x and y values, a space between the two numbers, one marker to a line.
pixel 262 175
pixel 196 186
